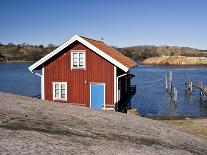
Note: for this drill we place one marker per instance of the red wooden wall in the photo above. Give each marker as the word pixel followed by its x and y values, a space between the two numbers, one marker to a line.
pixel 58 69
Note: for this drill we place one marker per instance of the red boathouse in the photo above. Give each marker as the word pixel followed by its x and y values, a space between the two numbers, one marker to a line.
pixel 85 72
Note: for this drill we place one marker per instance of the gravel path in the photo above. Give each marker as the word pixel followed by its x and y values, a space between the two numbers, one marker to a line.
pixel 32 126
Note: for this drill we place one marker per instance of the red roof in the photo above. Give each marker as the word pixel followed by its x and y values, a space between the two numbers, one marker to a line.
pixel 107 52
pixel 111 52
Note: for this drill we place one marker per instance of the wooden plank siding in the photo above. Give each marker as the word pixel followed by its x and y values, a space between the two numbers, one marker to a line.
pixel 58 69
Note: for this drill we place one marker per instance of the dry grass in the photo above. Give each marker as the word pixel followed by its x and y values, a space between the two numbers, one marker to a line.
pixel 196 126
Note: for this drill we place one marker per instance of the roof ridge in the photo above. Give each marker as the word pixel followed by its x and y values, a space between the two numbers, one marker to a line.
pixel 90 38
pixel 115 50
pixel 106 51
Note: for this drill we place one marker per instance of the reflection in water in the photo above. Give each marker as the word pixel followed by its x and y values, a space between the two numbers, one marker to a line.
pixel 189 97
pixel 151 98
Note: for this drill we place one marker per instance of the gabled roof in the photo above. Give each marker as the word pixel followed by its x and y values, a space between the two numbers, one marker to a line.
pixel 98 47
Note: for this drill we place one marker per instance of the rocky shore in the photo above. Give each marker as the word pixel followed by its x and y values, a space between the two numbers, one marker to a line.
pixel 33 126
pixel 175 60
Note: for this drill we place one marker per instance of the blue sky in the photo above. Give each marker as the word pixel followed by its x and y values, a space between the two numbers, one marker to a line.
pixel 121 22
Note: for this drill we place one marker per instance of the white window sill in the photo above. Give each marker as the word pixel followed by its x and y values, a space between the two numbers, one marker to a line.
pixel 79 68
pixel 60 99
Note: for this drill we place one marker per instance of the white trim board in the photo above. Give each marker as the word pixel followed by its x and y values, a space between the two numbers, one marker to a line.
pixel 43 83
pixel 84 42
pixel 115 75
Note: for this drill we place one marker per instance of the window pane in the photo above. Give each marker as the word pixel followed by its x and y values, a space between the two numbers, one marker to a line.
pixel 75 64
pixel 56 86
pixel 62 95
pixel 81 55
pixel 81 60
pixel 62 91
pixel 56 95
pixel 56 91
pixel 81 64
pixel 62 86
pixel 75 55
pixel 75 60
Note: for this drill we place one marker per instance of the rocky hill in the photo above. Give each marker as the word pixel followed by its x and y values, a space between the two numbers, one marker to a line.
pixel 144 52
pixel 23 52
pixel 33 126
pixel 175 60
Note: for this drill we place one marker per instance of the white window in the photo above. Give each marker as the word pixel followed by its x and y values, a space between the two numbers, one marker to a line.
pixel 78 59
pixel 60 91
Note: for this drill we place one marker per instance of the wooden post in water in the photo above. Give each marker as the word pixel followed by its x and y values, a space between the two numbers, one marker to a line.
pixel 201 94
pixel 191 87
pixel 201 90
pixel 175 95
pixel 170 82
pixel 166 83
pixel 186 85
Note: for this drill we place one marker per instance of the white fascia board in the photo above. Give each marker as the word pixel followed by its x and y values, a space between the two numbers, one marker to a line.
pixel 57 50
pixel 87 44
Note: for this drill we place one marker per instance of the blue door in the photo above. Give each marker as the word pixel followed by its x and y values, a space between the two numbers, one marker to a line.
pixel 97 96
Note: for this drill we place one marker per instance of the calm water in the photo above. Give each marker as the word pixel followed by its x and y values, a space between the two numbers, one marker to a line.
pixel 150 98
pixel 17 79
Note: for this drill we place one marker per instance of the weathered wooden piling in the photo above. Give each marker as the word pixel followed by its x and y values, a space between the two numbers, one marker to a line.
pixel 191 87
pixel 201 94
pixel 186 85
pixel 170 82
pixel 175 95
pixel 166 83
pixel 203 89
pixel 189 78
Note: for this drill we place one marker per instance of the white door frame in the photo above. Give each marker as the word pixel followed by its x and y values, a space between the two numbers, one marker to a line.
pixel 104 92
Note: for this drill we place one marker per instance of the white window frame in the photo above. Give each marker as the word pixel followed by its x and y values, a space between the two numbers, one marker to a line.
pixel 53 89
pixel 84 55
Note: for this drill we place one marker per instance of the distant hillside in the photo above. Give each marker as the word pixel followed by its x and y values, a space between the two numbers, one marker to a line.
pixel 144 52
pixel 25 52
pixel 175 60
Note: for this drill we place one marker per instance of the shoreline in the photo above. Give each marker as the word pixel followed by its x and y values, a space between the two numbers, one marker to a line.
pixel 7 62
pixel 175 117
pixel 139 63
pixel 161 117
pixel 174 65
pixel 175 61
